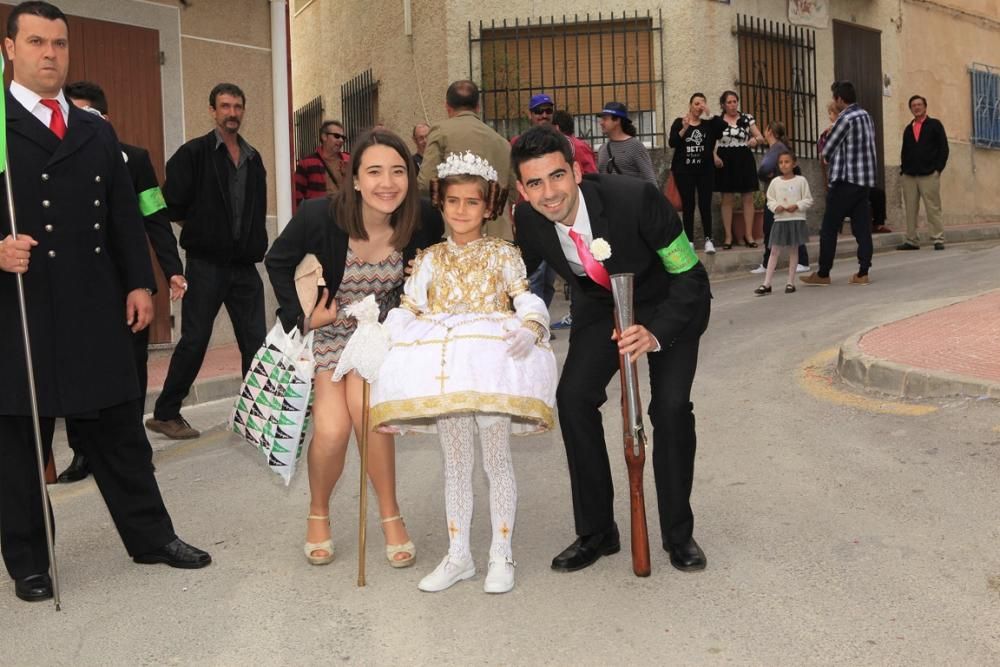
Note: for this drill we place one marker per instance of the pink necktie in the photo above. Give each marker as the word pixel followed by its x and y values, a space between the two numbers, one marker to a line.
pixel 57 123
pixel 595 271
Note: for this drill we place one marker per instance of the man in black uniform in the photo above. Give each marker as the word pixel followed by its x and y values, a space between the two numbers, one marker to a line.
pixel 87 281
pixel 87 95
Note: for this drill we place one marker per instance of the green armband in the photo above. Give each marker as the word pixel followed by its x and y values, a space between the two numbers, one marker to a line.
pixel 151 201
pixel 679 256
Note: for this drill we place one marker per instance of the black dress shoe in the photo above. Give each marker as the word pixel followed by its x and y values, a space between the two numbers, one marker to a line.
pixel 33 588
pixel 687 556
pixel 586 550
pixel 78 469
pixel 176 554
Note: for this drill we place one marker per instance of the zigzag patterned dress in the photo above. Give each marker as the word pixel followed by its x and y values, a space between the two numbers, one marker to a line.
pixel 383 279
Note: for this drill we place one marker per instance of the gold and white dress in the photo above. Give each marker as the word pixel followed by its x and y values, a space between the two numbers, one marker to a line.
pixel 448 353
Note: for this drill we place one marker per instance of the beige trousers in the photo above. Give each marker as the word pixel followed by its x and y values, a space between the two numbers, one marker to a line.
pixel 927 188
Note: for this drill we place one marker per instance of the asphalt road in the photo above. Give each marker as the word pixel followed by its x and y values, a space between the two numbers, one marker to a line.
pixel 840 528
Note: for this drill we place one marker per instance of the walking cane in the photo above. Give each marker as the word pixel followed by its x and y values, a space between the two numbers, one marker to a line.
pixel 363 447
pixel 32 394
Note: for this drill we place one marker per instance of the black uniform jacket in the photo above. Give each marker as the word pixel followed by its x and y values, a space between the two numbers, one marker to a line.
pixel 76 199
pixel 158 229
pixel 636 220
pixel 312 230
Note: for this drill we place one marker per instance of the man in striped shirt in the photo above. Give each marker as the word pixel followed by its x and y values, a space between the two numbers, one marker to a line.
pixel 849 154
pixel 322 173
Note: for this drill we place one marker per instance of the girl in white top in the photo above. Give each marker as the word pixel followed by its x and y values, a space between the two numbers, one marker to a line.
pixel 469 352
pixel 788 197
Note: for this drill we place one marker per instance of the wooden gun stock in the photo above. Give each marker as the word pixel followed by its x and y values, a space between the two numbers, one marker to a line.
pixel 635 460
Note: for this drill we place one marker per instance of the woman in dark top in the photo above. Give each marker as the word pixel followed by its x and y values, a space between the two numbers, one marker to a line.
pixel 736 171
pixel 363 237
pixel 777 138
pixel 693 167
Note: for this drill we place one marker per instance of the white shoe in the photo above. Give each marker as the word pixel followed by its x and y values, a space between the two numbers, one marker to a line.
pixel 448 573
pixel 801 268
pixel 692 244
pixel 709 247
pixel 760 269
pixel 500 577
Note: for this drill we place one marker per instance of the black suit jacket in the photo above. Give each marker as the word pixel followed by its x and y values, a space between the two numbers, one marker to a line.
pixel 161 236
pixel 76 199
pixel 312 230
pixel 636 220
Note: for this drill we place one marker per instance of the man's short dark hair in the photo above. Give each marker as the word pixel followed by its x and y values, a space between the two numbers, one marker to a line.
pixel 33 8
pixel 89 92
pixel 463 95
pixel 564 121
pixel 538 141
pixel 845 91
pixel 226 89
pixel 328 123
pixel 916 97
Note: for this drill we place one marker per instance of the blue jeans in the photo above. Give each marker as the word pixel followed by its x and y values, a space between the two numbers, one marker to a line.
pixel 543 283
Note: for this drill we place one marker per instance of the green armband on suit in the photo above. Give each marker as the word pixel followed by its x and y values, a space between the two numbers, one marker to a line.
pixel 679 256
pixel 151 201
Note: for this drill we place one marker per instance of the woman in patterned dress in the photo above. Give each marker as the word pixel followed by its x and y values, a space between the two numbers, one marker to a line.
pixel 736 169
pixel 363 237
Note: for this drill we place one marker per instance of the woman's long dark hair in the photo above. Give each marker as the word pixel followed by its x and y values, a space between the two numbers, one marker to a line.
pixel 345 205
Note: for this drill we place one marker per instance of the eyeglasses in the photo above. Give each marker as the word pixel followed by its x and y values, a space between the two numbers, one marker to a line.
pixel 543 111
pixel 336 135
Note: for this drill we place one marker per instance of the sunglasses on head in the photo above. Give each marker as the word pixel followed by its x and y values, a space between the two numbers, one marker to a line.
pixel 337 135
pixel 543 111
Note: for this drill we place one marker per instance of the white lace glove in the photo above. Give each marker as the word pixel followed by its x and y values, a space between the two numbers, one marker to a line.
pixel 520 341
pixel 395 322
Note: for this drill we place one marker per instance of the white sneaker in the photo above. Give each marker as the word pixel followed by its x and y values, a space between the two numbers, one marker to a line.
pixel 709 247
pixel 801 268
pixel 448 573
pixel 760 269
pixel 500 577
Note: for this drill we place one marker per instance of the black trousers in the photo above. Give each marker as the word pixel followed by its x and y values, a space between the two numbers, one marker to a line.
pixel 120 458
pixel 768 224
pixel 239 288
pixel 591 363
pixel 696 188
pixel 846 200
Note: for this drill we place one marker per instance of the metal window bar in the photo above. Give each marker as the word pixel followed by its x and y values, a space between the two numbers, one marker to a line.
pixel 359 103
pixel 985 105
pixel 308 119
pixel 777 80
pixel 622 60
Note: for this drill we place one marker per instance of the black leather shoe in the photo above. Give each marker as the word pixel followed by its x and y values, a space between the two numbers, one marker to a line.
pixel 33 588
pixel 176 554
pixel 687 556
pixel 78 469
pixel 586 550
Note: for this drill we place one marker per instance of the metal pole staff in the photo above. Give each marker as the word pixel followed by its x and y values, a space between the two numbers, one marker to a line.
pixel 363 447
pixel 33 396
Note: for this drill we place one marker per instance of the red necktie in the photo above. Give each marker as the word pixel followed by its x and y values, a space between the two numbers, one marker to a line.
pixel 57 123
pixel 595 270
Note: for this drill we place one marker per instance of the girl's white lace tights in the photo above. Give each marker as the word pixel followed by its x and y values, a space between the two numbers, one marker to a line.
pixel 457 434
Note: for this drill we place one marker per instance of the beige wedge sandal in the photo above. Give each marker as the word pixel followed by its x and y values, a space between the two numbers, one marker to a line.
pixel 327 545
pixel 392 550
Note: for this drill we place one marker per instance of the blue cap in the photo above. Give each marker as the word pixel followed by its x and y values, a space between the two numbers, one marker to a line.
pixel 614 109
pixel 538 100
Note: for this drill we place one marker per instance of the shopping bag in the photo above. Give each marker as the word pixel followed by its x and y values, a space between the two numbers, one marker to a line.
pixel 273 408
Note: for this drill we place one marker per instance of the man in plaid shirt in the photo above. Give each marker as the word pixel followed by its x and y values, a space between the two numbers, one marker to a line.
pixel 849 154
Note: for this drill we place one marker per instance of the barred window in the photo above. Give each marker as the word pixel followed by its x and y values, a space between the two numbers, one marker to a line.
pixel 778 78
pixel 359 101
pixel 580 62
pixel 985 106
pixel 308 120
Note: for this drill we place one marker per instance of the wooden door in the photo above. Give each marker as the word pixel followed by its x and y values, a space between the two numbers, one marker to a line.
pixel 125 61
pixel 857 57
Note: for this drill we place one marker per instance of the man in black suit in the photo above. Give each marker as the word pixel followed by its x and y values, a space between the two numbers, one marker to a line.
pixel 672 301
pixel 90 96
pixel 87 281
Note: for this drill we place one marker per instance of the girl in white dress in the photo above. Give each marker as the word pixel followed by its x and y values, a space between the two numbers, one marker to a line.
pixel 469 352
pixel 788 197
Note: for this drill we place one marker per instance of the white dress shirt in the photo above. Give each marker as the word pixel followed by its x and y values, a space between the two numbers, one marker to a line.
pixel 582 227
pixel 32 101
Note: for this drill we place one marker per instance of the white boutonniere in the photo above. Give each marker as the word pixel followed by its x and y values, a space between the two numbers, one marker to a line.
pixel 600 249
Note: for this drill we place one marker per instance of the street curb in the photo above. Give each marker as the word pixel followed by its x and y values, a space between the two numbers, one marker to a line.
pixel 203 391
pixel 865 371
pixel 728 262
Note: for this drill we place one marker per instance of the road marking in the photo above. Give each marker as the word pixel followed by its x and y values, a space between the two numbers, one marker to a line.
pixel 816 379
